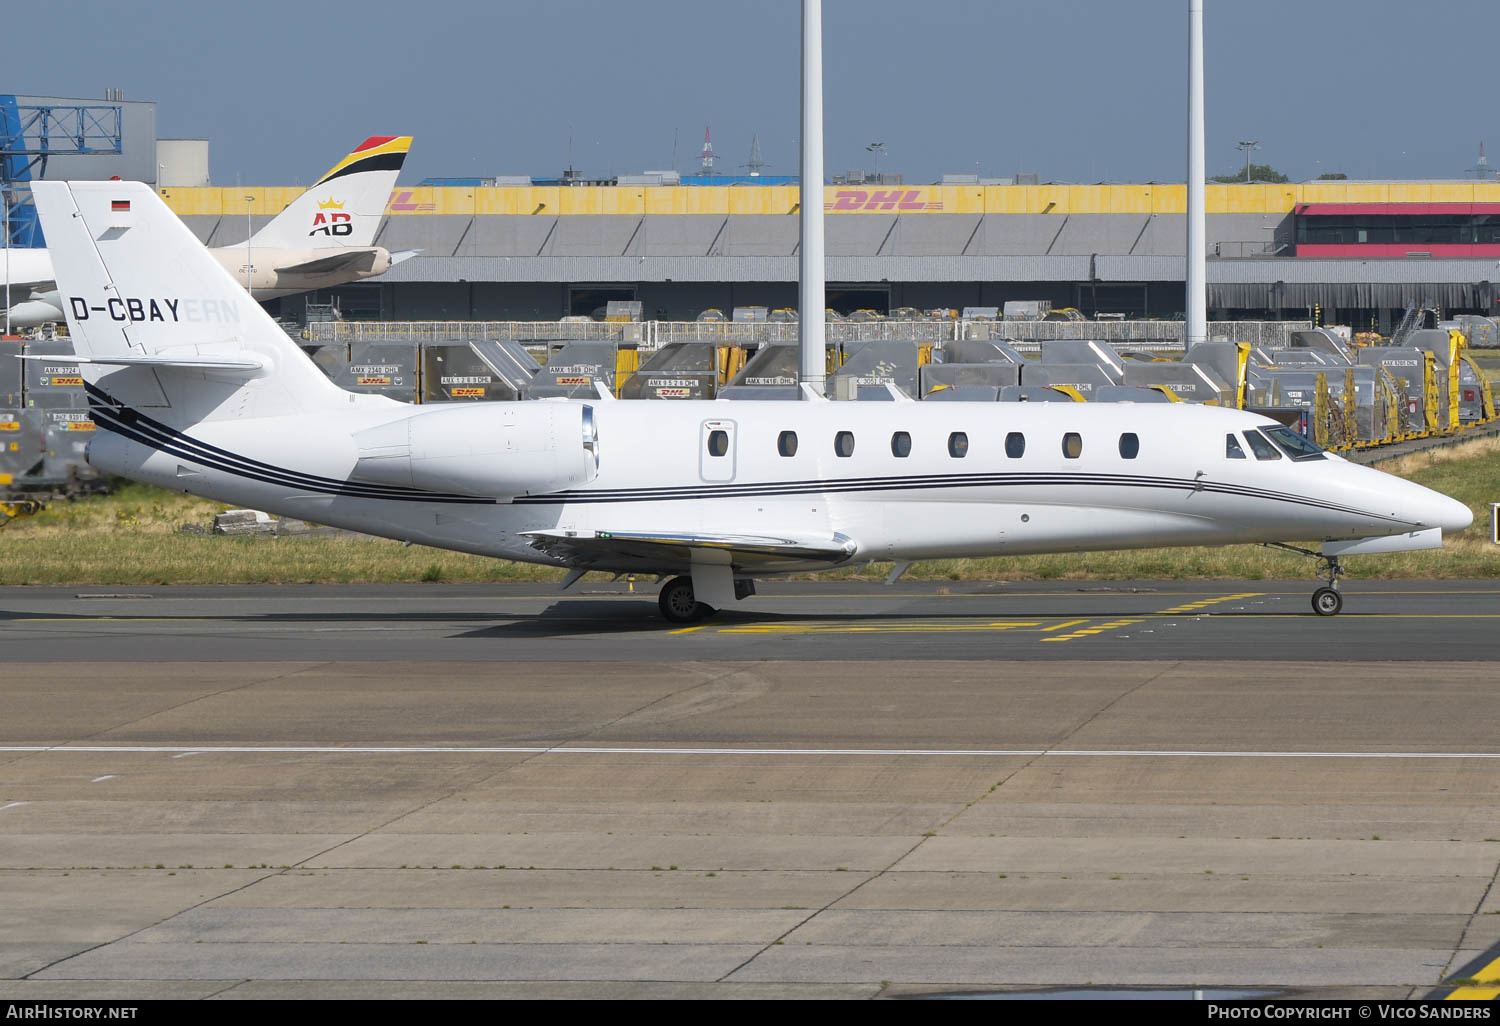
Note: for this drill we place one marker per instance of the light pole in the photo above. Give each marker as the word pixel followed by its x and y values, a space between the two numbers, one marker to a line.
pixel 877 148
pixel 249 263
pixel 5 201
pixel 1249 147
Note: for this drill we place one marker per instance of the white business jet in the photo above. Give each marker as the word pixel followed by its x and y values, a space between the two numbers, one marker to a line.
pixel 324 237
pixel 195 388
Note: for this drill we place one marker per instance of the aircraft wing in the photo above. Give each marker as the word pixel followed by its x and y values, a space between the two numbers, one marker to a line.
pixel 353 260
pixel 665 551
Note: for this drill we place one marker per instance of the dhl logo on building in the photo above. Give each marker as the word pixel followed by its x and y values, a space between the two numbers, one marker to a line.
pixel 880 200
pixel 333 222
pixel 402 203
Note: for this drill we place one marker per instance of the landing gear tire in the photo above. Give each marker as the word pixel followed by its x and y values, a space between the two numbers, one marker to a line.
pixel 679 604
pixel 1327 602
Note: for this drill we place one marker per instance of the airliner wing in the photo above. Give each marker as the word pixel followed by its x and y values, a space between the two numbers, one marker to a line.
pixel 667 551
pixel 23 286
pixel 352 260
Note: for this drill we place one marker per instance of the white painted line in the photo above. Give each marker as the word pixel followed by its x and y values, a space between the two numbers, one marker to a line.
pixel 12 805
pixel 983 753
pixel 100 780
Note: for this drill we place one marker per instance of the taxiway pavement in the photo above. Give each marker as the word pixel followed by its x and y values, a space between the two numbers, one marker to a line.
pixel 443 791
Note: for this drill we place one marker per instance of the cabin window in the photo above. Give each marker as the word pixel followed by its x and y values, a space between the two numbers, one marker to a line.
pixel 1015 445
pixel 843 444
pixel 901 444
pixel 958 445
pixel 718 443
pixel 1232 448
pixel 786 443
pixel 1261 446
pixel 1072 446
pixel 1130 446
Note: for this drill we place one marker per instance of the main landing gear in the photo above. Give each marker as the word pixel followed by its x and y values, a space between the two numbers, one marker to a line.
pixel 679 604
pixel 1326 601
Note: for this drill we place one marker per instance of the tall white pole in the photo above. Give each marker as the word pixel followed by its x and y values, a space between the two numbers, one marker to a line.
pixel 249 262
pixel 1197 219
pixel 5 202
pixel 812 301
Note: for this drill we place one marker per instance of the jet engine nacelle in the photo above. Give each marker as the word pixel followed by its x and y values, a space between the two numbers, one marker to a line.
pixel 35 312
pixel 493 449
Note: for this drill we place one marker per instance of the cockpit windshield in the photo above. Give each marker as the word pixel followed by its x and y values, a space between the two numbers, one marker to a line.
pixel 1295 444
pixel 1261 446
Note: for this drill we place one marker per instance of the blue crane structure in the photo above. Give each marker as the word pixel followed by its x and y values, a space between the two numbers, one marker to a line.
pixel 29 135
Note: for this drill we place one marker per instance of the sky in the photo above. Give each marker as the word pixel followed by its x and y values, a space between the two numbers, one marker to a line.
pixel 1070 90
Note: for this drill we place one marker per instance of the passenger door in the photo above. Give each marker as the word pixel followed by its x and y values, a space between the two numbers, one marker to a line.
pixel 716 450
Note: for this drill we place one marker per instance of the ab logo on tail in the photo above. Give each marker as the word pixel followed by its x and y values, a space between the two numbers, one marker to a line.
pixel 333 223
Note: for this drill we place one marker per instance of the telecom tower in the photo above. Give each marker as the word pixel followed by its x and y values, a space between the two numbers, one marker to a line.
pixel 1481 168
pixel 756 163
pixel 708 155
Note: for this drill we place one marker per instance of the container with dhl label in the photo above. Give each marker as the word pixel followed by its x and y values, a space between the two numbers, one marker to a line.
pixel 679 370
pixel 389 370
pixel 10 374
pixel 570 373
pixel 21 445
pixel 67 434
pixel 452 373
pixel 55 379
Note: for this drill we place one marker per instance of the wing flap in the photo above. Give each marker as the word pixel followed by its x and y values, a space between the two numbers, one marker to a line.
pixel 668 551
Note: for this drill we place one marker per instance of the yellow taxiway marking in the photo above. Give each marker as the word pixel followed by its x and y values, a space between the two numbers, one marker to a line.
pixel 1488 990
pixel 688 630
pixel 1085 632
pixel 1187 607
pixel 1474 994
pixel 1193 607
pixel 890 627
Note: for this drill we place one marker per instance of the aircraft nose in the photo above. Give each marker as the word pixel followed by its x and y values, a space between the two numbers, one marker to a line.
pixel 1452 515
pixel 1434 509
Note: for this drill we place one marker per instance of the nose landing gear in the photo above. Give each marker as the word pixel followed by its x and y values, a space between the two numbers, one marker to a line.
pixel 1326 601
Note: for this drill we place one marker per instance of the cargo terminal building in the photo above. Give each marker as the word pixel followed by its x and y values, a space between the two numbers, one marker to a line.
pixel 1355 252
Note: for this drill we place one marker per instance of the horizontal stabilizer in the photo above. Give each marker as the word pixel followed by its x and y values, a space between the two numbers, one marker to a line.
pixel 197 363
pixel 352 260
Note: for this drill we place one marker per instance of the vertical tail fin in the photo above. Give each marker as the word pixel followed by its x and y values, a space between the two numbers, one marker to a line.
pixel 157 321
pixel 344 208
